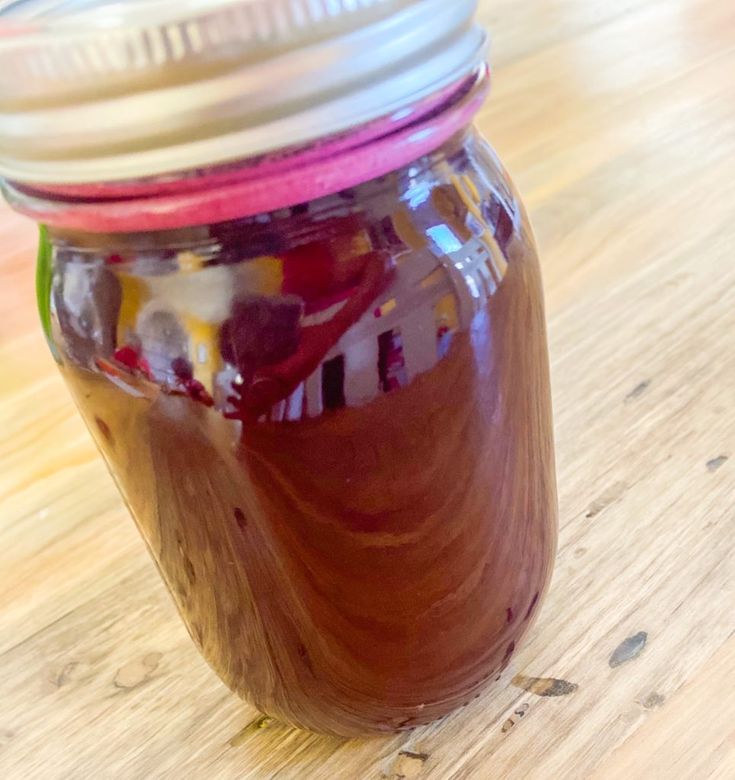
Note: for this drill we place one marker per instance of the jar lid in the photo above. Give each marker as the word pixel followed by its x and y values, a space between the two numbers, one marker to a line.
pixel 98 90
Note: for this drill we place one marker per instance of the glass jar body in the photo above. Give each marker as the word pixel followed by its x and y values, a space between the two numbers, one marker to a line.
pixel 332 425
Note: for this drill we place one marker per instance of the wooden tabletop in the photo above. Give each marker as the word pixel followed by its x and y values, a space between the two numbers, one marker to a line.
pixel 617 120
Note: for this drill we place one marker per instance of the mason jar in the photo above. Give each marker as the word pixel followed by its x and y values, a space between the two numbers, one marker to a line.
pixel 297 301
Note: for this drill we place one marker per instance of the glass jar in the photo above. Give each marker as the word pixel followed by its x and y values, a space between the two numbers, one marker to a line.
pixel 320 380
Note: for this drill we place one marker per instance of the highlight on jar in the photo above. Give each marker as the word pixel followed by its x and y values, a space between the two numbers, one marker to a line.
pixel 297 301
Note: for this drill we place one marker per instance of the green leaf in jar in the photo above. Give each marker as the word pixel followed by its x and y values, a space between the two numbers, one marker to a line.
pixel 44 273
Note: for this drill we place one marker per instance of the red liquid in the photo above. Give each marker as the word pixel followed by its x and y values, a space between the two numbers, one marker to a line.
pixel 350 490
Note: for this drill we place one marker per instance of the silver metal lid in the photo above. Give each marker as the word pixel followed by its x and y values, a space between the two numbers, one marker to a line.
pixel 97 90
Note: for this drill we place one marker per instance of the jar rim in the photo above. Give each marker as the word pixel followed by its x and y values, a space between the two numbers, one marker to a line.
pixel 98 94
pixel 257 186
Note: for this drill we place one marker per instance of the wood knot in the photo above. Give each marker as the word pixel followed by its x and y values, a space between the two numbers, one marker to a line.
pixel 137 672
pixel 409 764
pixel 70 672
pixel 544 686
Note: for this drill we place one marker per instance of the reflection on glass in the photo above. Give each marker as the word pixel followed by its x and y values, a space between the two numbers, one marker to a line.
pixel 332 308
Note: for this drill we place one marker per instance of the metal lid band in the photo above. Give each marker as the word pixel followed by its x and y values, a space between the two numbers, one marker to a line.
pixel 260 187
pixel 92 90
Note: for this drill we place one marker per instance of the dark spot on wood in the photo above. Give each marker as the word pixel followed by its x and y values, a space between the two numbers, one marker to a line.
pixel 409 765
pixel 66 674
pixel 104 429
pixel 717 463
pixel 544 686
pixel 628 650
pixel 580 551
pixel 638 391
pixel 653 701
pixel 509 615
pixel 240 519
pixel 518 714
pixel 418 756
pixel 610 496
pixel 532 607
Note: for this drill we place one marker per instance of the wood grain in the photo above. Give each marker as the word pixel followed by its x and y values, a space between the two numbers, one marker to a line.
pixel 618 121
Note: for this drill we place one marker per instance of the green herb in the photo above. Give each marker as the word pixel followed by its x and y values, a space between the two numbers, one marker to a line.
pixel 44 275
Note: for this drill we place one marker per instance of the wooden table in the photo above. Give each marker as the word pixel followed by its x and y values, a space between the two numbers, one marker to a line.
pixel 618 122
